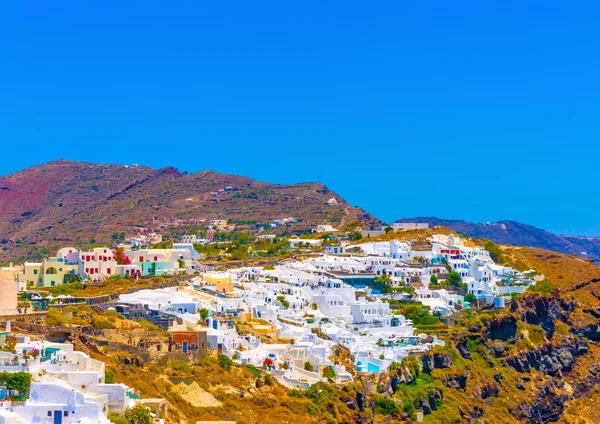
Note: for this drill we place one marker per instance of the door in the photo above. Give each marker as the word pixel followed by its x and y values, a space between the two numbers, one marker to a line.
pixel 185 347
pixel 58 417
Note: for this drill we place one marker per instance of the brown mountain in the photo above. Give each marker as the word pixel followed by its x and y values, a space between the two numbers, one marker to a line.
pixel 64 202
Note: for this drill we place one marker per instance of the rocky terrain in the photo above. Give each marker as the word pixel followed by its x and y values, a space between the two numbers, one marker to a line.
pixel 518 234
pixel 62 202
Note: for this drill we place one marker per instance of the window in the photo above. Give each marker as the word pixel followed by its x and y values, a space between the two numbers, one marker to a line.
pixel 35 272
pixel 49 413
pixel 66 414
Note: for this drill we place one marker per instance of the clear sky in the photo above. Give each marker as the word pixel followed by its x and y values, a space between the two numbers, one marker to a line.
pixel 474 110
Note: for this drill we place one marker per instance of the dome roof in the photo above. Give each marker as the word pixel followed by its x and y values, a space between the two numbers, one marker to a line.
pixel 6 276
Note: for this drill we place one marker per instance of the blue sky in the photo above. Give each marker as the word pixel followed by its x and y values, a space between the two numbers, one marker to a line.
pixel 474 110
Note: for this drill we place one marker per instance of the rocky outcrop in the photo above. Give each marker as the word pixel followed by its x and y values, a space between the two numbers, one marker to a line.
pixel 436 360
pixel 548 407
pixel 462 346
pixel 487 391
pixel 591 331
pixel 548 358
pixel 456 381
pixel 430 403
pixel 503 327
pixel 544 311
pixel 499 349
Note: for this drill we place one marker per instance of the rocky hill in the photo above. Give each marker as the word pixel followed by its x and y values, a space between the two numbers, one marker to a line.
pixel 518 234
pixel 65 202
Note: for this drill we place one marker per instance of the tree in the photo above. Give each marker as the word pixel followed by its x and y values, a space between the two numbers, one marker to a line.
pixel 353 226
pixel 353 230
pixel 139 414
pixel 308 366
pixel 181 263
pixel 453 279
pixel 388 229
pixel 203 314
pixel 17 381
pixel 283 301
pixel 470 297
pixel 494 250
pixel 382 283
pixel 120 257
pixel 329 373
pixel 433 279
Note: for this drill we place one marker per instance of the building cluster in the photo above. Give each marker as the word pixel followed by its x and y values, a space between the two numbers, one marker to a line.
pixel 294 317
pixel 98 264
pixel 67 386
pixel 282 222
pixel 331 299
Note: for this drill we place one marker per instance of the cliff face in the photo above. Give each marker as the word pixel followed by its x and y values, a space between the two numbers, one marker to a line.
pixel 64 202
pixel 527 365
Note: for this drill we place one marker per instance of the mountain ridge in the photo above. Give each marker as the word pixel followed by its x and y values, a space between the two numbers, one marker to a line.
pixel 83 202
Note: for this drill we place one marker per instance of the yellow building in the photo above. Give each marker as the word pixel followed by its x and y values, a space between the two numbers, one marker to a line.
pixel 264 329
pixel 50 272
pixel 221 280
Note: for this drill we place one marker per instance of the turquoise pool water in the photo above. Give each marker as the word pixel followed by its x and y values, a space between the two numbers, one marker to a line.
pixel 373 368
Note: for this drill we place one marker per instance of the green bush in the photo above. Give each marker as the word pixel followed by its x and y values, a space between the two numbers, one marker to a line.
pixel 494 250
pixel 100 323
pixel 225 362
pixel 252 370
pixel 385 405
pixel 148 325
pixel 139 414
pixel 18 381
pixel 543 288
pixel 55 318
pixel 117 419
pixel 283 301
pixel 67 289
pixel 453 279
pixel 180 365
pixel 329 373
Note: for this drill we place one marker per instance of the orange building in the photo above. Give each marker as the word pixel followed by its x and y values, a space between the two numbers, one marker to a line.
pixel 189 342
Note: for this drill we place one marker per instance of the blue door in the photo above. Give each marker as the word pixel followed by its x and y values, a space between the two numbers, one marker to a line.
pixel 58 417
pixel 185 347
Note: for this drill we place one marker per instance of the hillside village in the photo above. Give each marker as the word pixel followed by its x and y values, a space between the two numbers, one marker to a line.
pixel 330 306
